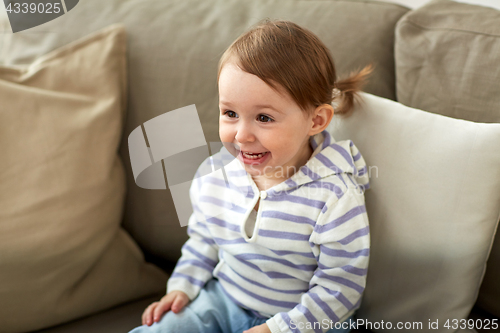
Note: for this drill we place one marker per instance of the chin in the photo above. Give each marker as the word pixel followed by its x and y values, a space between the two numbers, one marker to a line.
pixel 255 171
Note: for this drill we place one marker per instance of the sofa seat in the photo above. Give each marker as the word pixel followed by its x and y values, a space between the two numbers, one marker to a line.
pixel 120 319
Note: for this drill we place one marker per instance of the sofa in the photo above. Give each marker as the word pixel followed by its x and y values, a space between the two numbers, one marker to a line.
pixel 86 247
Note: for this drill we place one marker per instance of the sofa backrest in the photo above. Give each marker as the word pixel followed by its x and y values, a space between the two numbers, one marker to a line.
pixel 173 50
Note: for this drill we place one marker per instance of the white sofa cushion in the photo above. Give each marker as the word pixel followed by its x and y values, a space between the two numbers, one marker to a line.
pixel 433 207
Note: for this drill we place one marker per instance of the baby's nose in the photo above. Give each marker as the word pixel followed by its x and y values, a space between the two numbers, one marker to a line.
pixel 245 134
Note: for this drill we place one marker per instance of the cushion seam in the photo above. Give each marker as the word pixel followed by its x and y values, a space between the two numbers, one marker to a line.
pixel 447 29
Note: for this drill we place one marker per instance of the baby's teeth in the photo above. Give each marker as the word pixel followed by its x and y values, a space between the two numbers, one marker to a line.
pixel 250 156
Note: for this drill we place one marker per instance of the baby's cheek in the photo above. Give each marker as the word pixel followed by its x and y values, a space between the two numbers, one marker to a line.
pixel 285 145
pixel 225 133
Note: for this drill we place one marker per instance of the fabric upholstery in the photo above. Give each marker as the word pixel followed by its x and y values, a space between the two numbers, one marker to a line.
pixel 63 253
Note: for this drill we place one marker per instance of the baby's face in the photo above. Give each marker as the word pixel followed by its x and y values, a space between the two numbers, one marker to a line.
pixel 269 128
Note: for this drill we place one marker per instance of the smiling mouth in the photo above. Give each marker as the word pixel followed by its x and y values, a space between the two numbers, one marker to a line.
pixel 252 156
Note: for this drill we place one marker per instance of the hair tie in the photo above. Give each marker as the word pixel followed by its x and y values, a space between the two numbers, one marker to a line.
pixel 336 98
pixel 336 93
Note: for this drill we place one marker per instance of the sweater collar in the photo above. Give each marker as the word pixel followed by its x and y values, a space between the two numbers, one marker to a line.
pixel 328 158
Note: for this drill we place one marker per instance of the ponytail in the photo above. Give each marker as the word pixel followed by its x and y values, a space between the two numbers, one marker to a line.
pixel 347 89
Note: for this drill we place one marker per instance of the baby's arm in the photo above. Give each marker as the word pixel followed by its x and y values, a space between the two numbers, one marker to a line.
pixel 200 255
pixel 340 241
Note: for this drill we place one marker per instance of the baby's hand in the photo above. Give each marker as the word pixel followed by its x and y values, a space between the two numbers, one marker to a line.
pixel 174 300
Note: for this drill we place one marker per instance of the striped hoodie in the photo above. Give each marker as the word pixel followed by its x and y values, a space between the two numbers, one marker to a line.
pixel 305 265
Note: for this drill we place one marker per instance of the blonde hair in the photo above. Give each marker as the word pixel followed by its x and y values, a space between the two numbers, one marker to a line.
pixel 281 53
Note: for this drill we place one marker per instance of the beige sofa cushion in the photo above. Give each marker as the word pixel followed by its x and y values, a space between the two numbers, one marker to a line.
pixel 63 253
pixel 433 207
pixel 174 50
pixel 448 62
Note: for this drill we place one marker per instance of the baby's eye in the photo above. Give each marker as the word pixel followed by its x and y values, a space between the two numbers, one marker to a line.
pixel 264 119
pixel 231 114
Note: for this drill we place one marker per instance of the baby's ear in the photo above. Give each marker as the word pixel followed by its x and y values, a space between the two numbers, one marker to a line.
pixel 321 118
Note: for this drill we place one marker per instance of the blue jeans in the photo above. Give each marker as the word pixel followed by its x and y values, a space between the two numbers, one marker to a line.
pixel 210 312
